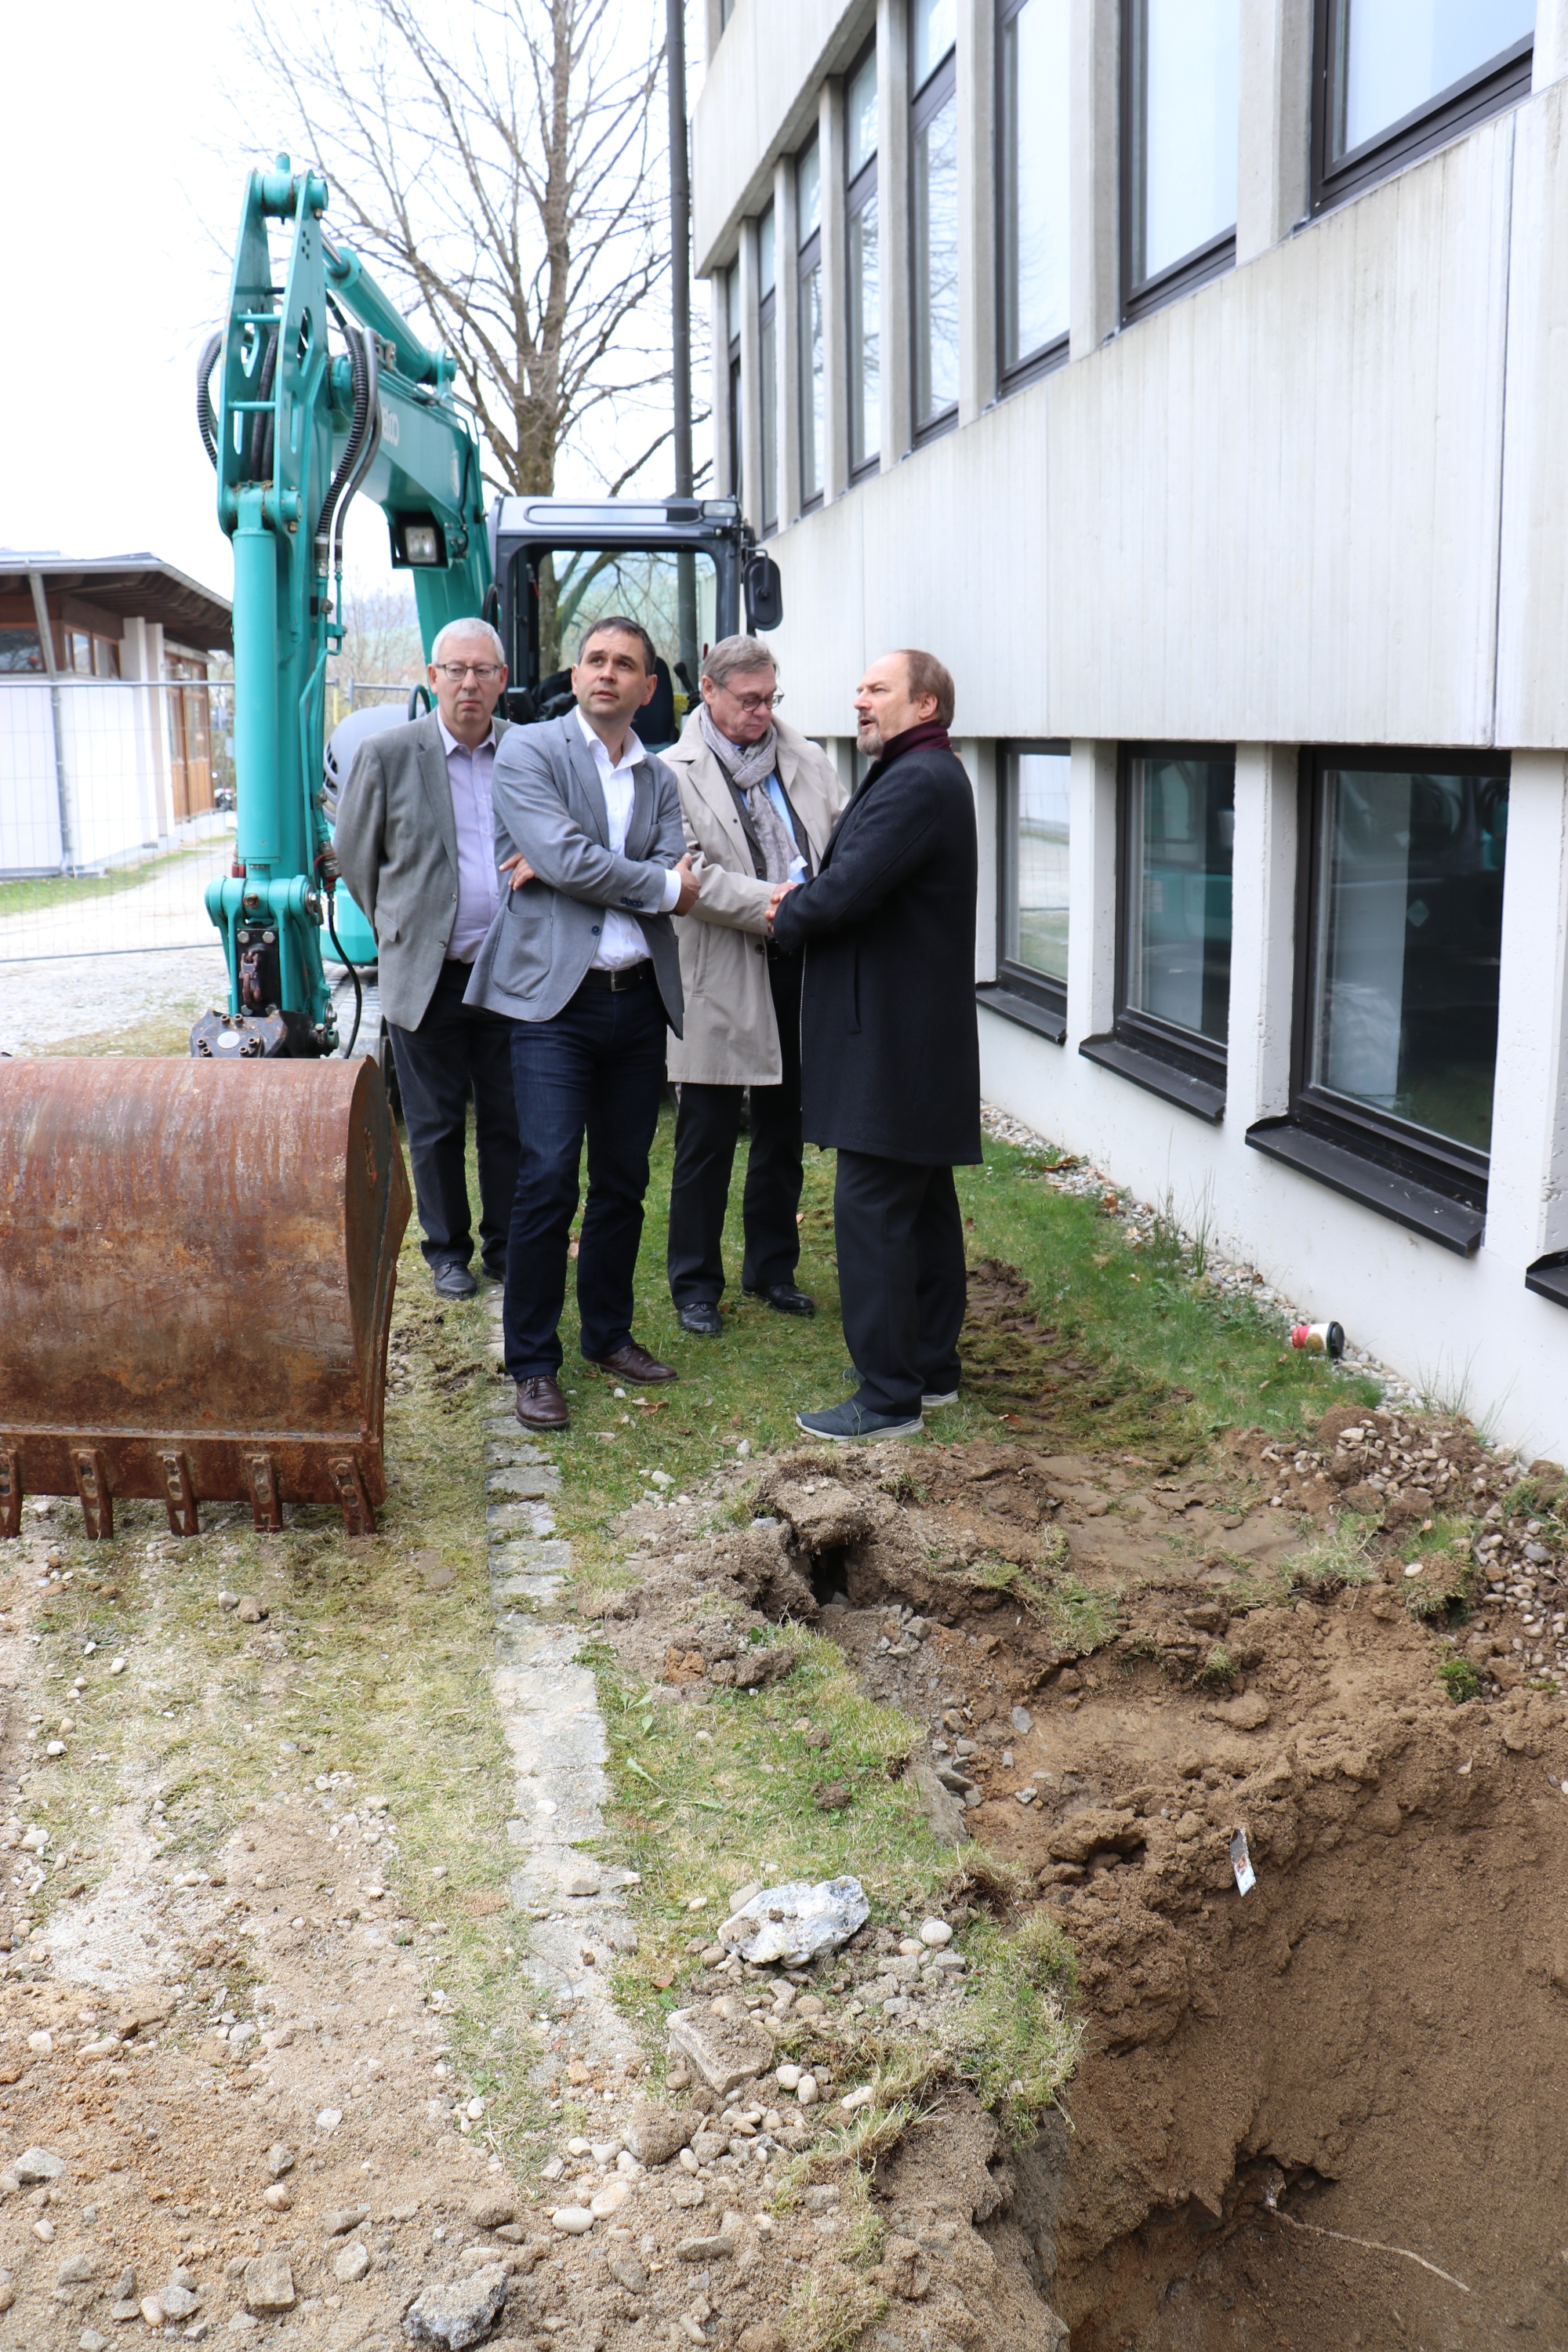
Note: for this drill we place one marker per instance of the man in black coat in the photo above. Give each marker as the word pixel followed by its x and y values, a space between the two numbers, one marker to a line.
pixel 889 1046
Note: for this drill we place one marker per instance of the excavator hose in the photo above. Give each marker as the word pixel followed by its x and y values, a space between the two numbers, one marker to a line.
pixel 207 423
pixel 262 428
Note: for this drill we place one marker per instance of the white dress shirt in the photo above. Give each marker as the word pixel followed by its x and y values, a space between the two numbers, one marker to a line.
pixel 469 773
pixel 621 940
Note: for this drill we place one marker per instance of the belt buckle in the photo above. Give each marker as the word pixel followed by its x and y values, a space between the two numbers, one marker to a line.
pixel 621 979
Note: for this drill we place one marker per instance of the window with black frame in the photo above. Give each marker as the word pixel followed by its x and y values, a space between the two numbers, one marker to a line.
pixel 1032 186
pixel 813 350
pixel 732 331
pixel 1181 102
pixel 1398 1045
pixel 1397 78
pixel 1033 805
pixel 934 212
pixel 768 367
pixel 863 268
pixel 1176 839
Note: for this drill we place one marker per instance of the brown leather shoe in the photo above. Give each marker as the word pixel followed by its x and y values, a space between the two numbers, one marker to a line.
pixel 633 1363
pixel 540 1404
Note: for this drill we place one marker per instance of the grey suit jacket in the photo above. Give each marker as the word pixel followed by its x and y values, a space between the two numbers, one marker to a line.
pixel 550 804
pixel 396 843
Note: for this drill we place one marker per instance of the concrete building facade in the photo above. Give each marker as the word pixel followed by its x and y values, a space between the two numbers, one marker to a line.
pixel 1186 374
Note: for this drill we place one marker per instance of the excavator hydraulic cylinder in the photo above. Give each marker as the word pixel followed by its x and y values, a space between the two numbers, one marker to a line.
pixel 197 1270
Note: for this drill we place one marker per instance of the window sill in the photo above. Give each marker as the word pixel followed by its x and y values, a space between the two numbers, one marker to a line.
pixel 1453 1224
pixel 1009 1005
pixel 1158 1076
pixel 1548 1277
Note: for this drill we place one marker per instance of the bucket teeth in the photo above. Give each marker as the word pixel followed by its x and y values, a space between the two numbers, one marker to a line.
pixel 92 1474
pixel 266 1502
pixel 179 1493
pixel 10 1491
pixel 359 1518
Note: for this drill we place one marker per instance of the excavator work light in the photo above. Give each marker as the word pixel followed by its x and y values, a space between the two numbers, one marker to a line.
pixel 417 543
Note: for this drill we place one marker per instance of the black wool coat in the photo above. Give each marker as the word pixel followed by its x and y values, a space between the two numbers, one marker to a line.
pixel 890 1041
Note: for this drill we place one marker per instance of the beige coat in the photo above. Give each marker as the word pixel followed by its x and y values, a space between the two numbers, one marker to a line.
pixel 732 1032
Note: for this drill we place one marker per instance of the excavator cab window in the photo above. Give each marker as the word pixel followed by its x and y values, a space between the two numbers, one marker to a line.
pixel 563 591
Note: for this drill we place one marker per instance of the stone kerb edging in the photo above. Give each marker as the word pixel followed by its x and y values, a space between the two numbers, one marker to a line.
pixel 549 1716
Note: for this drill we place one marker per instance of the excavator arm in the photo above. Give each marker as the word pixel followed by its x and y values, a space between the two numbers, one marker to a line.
pixel 325 392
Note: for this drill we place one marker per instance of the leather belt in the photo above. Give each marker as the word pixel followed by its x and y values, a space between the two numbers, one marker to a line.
pixel 632 975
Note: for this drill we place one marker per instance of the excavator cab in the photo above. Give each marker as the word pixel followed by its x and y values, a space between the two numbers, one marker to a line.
pixel 681 567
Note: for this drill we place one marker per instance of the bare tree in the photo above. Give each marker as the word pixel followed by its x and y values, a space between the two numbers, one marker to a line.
pixel 496 161
pixel 381 636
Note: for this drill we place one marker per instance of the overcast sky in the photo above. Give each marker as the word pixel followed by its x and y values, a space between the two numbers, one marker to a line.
pixel 125 210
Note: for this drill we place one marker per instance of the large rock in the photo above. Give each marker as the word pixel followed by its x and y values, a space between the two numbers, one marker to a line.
pixel 269 2284
pixel 457 2314
pixel 37 2164
pixel 656 2134
pixel 725 2050
pixel 942 1808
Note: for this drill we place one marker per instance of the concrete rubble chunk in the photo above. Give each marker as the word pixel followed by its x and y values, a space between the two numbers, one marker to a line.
pixel 798 1922
pixel 351 2264
pixel 725 2050
pixel 36 2164
pixel 346 2218
pixel 280 2160
pixel 655 2134
pixel 460 2314
pixel 628 2272
pixel 75 2269
pixel 269 2285
pixel 943 1809
pixel 714 2248
pixel 179 2302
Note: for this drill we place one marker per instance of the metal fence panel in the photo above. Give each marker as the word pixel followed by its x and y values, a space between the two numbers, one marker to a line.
pixel 116 810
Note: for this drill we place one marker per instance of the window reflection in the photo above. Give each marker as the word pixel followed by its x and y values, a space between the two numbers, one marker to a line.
pixel 1032 128
pixel 1180 827
pixel 1390 58
pixel 1035 849
pixel 936 263
pixel 1408 933
pixel 863 270
pixel 1185 93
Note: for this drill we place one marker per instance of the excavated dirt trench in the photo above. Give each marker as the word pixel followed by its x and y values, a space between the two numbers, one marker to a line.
pixel 1112 1670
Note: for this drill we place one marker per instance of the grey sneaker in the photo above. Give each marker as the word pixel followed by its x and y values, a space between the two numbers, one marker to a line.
pixel 849 1420
pixel 930 1403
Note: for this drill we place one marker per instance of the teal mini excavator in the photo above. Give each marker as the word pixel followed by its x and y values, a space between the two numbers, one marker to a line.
pixel 326 394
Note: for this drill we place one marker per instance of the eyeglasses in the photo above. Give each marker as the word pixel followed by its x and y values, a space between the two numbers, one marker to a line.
pixel 750 702
pixel 458 671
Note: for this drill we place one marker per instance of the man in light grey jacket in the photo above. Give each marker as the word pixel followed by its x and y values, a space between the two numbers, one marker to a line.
pixel 760 802
pixel 582 960
pixel 416 843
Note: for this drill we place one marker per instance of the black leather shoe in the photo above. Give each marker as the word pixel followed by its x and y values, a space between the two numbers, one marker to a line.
pixel 703 1317
pixel 786 1298
pixel 495 1268
pixel 453 1280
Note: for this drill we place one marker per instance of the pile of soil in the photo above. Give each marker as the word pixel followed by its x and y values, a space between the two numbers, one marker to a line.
pixel 1314 2114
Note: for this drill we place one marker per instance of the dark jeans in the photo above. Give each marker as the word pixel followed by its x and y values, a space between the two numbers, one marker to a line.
pixel 705 1136
pixel 900 1278
pixel 457 1051
pixel 596 1068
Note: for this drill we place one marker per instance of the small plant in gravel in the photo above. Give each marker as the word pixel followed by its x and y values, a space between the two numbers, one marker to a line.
pixel 1460 1678
pixel 830 2310
pixel 1440 1591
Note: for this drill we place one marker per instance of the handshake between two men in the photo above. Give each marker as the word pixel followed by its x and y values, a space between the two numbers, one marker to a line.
pixel 655 916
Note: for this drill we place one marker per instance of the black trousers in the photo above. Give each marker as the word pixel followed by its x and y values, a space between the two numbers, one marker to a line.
pixel 706 1130
pixel 901 1283
pixel 457 1052
pixel 596 1069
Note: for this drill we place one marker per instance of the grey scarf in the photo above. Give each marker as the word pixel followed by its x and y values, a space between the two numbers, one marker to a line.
pixel 749 767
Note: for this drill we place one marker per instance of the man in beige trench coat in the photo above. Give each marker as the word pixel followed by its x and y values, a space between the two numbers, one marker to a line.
pixel 758 802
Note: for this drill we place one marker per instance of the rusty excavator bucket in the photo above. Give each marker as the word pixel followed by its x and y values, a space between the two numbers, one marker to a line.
pixel 197 1270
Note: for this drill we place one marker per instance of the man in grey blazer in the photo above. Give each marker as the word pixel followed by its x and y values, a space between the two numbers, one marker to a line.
pixel 582 960
pixel 415 842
